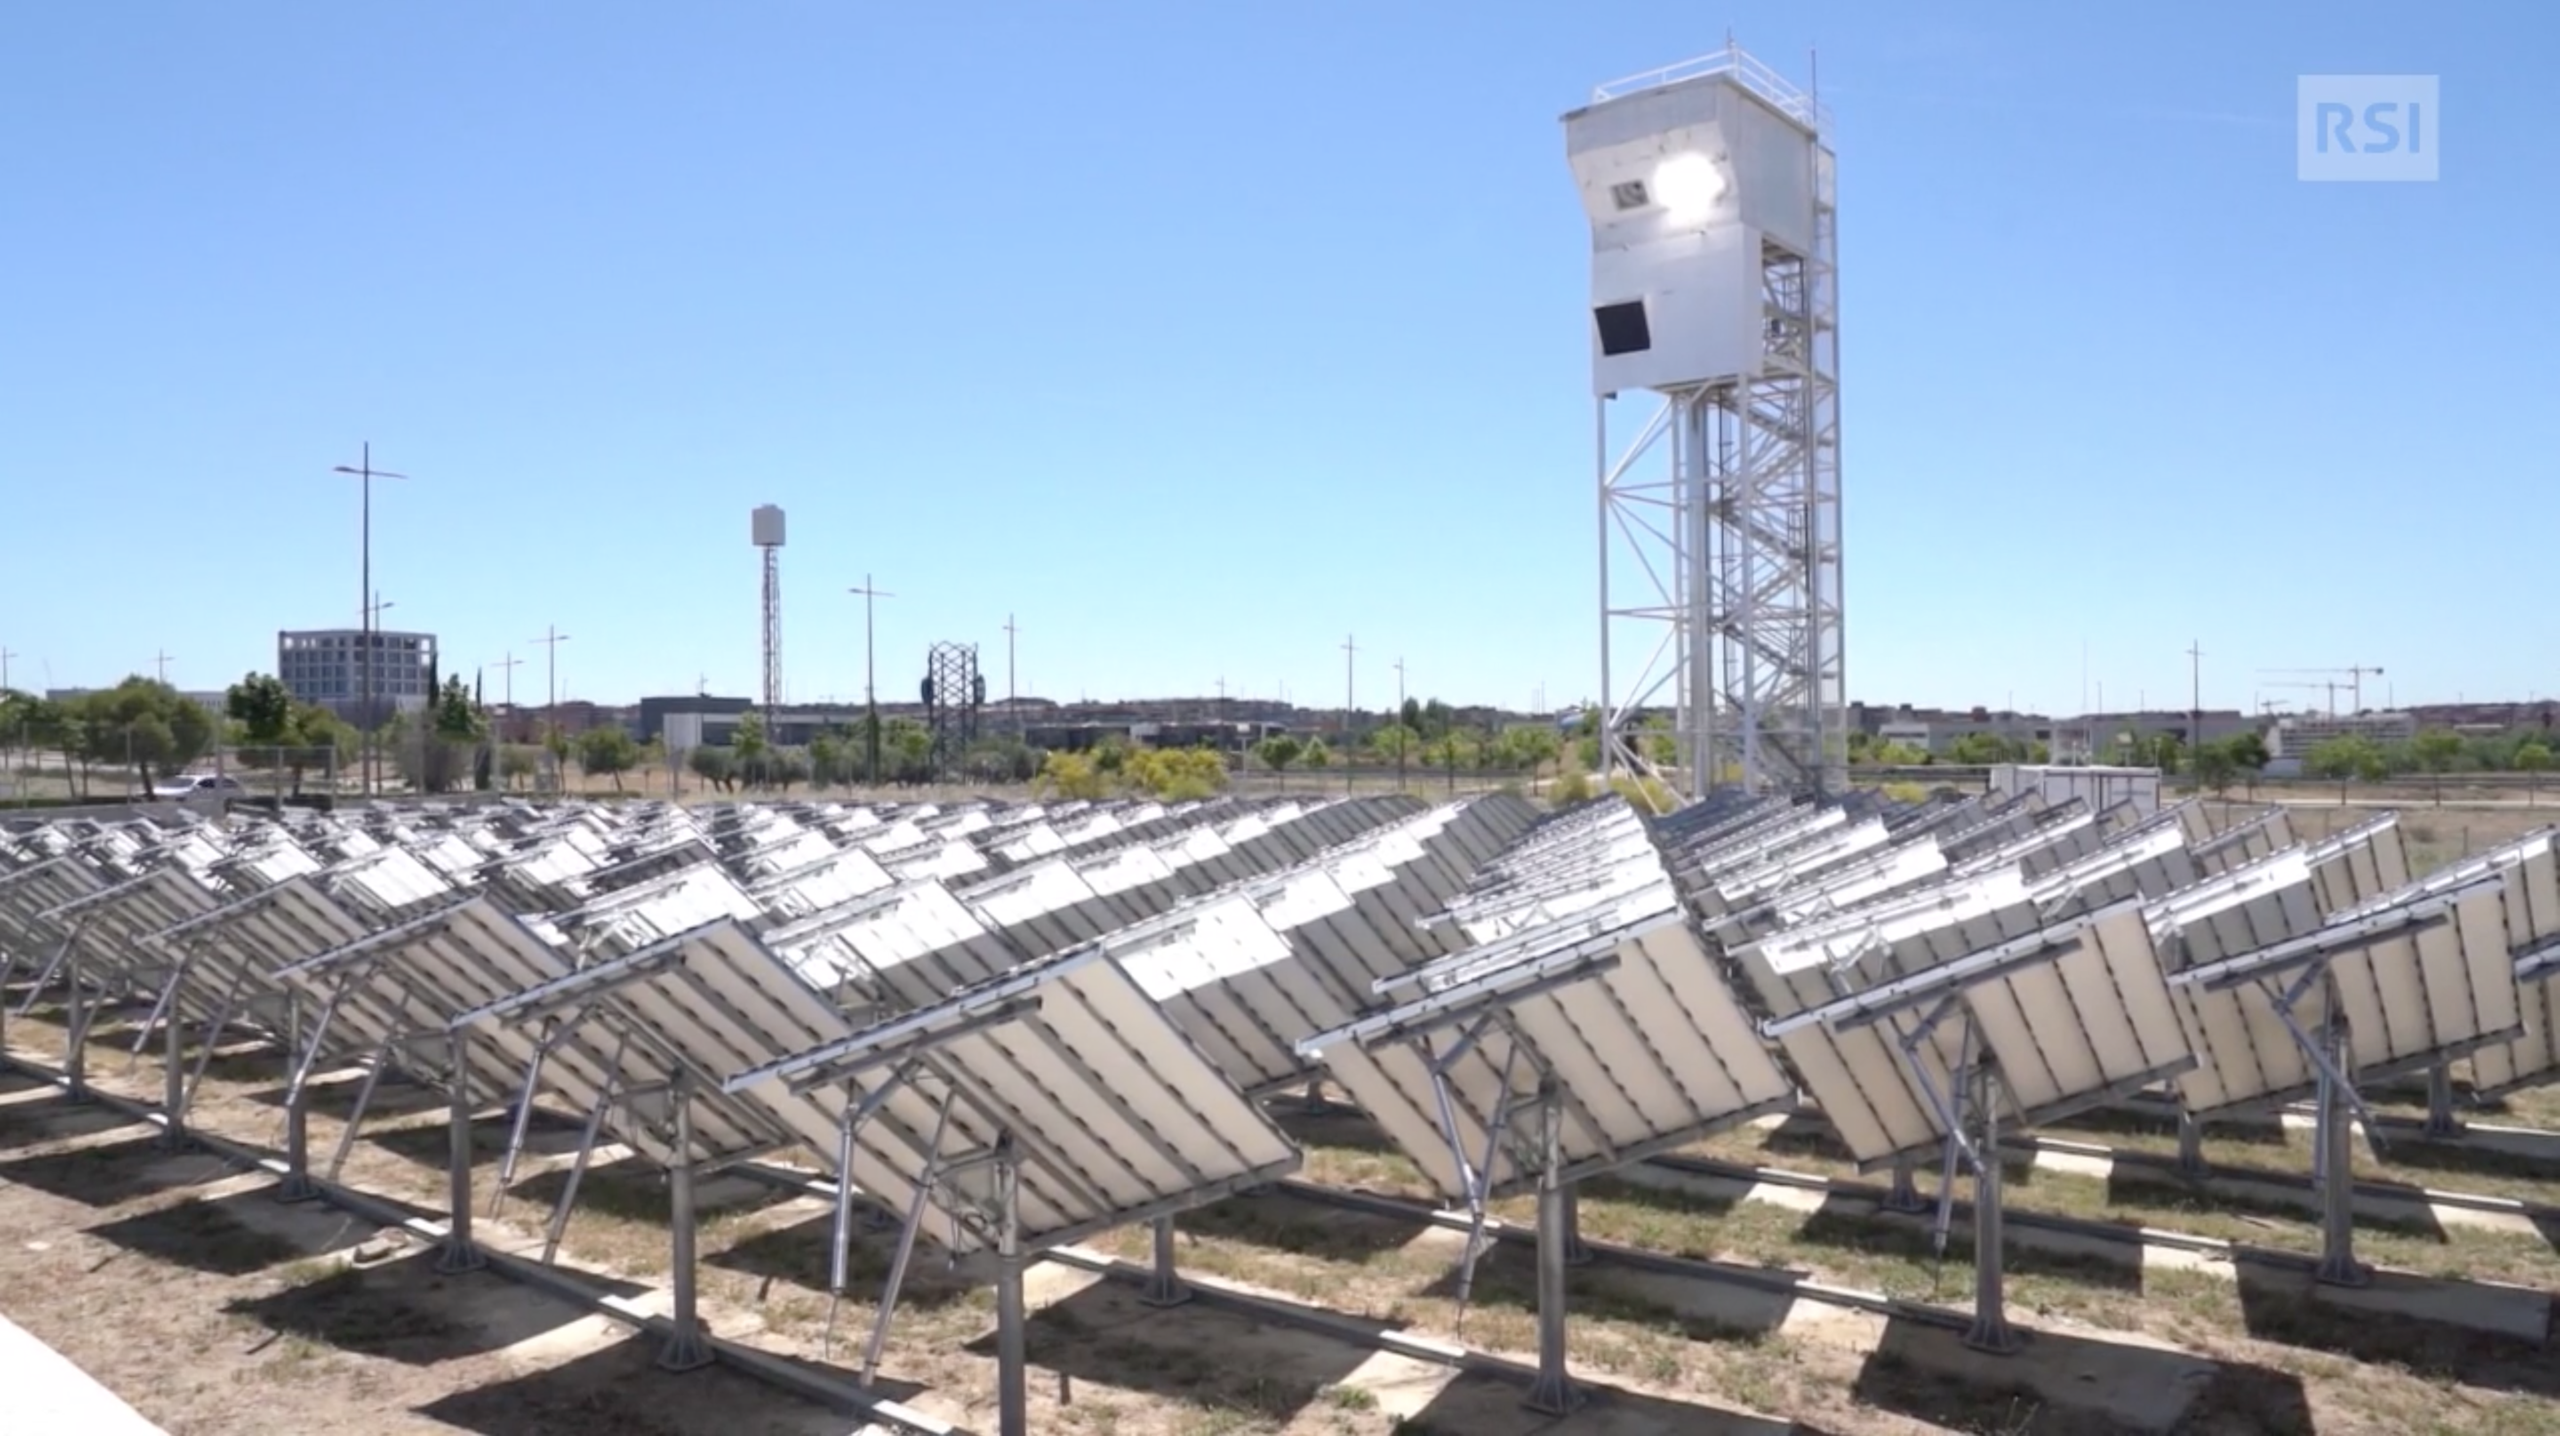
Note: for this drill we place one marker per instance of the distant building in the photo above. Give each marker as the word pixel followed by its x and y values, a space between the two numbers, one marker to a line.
pixel 2296 736
pixel 327 666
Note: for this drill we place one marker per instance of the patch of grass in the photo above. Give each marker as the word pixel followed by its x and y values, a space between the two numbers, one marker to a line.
pixel 1350 1398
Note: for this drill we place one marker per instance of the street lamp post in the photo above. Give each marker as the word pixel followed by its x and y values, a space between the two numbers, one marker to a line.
pixel 551 640
pixel 372 760
pixel 1404 735
pixel 870 694
pixel 1012 703
pixel 1350 658
pixel 365 471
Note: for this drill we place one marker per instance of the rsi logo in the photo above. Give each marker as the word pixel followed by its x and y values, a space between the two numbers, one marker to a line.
pixel 2365 127
pixel 2336 121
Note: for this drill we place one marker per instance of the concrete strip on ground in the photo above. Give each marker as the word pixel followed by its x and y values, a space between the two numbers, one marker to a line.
pixel 48 1392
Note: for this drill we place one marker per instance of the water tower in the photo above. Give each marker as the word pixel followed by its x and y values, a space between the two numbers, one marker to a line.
pixel 767 522
pixel 1714 309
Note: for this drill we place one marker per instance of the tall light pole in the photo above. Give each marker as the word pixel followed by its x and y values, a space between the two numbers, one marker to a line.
pixel 508 666
pixel 1350 660
pixel 1012 707
pixel 2195 702
pixel 372 760
pixel 160 666
pixel 870 694
pixel 1404 735
pixel 5 656
pixel 551 640
pixel 364 470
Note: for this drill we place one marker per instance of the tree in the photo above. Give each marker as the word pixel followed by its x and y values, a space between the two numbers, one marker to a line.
pixel 1073 775
pixel 263 707
pixel 1000 760
pixel 714 765
pixel 517 763
pixel 826 760
pixel 1176 774
pixel 441 756
pixel 1396 742
pixel 906 751
pixel 1975 750
pixel 608 751
pixel 457 718
pixel 1661 745
pixel 2346 758
pixel 753 748
pixel 147 724
pixel 2435 751
pixel 2215 768
pixel 1315 755
pixel 2532 759
pixel 1534 747
pixel 555 742
pixel 1455 748
pixel 1277 752
pixel 2249 754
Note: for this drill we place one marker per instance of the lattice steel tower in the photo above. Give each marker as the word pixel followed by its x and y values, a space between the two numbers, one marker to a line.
pixel 1714 291
pixel 768 532
pixel 954 690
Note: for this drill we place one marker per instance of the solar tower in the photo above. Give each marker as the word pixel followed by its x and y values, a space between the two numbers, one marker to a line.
pixel 768 535
pixel 1714 297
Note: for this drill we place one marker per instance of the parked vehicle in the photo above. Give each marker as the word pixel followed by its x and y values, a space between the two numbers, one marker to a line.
pixel 207 785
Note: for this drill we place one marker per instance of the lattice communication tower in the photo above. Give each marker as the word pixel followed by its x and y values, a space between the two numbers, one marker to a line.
pixel 954 691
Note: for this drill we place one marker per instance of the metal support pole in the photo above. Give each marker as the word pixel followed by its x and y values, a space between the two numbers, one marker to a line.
pixel 558 1226
pixel 2191 1144
pixel 1575 1252
pixel 2440 1119
pixel 173 1073
pixel 906 1248
pixel 75 1036
pixel 296 1186
pixel 355 1114
pixel 519 1129
pixel 1990 1331
pixel 2336 1134
pixel 1013 1399
pixel 685 1349
pixel 1164 1284
pixel 1552 1393
pixel 1904 1195
pixel 160 1008
pixel 460 1254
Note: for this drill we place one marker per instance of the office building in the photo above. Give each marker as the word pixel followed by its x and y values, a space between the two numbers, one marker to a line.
pixel 326 666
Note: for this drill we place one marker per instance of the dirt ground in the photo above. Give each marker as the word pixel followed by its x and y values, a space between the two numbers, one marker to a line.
pixel 185 1287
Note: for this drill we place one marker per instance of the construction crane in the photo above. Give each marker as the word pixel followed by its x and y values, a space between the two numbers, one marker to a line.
pixel 2331 685
pixel 2355 676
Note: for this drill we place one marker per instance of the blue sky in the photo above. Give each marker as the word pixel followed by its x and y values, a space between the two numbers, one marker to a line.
pixel 1198 336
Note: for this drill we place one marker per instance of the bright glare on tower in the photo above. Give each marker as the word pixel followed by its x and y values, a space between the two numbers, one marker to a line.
pixel 1714 294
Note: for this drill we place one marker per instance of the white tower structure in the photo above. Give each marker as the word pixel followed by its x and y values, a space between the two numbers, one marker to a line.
pixel 1714 293
pixel 767 521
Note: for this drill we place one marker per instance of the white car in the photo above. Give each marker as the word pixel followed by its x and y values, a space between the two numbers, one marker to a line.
pixel 204 786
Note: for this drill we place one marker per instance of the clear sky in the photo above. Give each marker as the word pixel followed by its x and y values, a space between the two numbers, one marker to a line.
pixel 1200 335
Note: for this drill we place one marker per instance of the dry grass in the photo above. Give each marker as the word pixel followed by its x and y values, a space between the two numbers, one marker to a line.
pixel 252 1297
